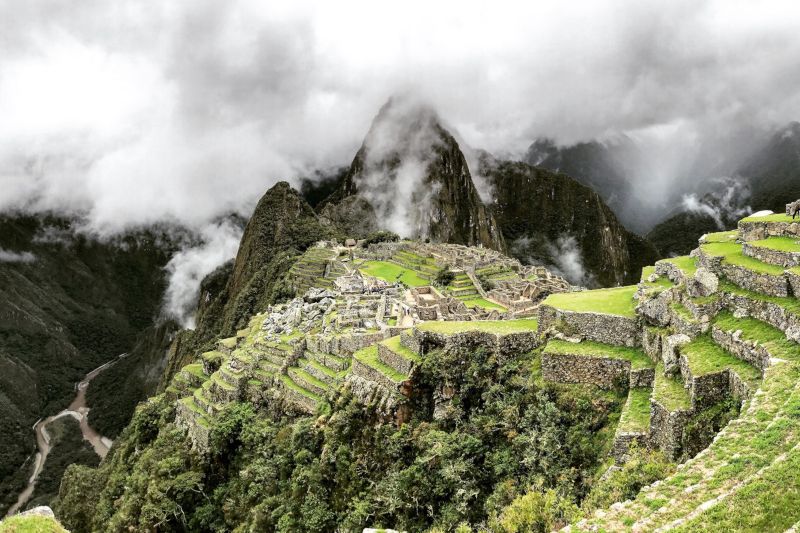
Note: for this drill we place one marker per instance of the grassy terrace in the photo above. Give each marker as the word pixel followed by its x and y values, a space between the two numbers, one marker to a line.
pixel 636 413
pixel 705 357
pixel 287 381
pixel 788 303
pixel 637 358
pixel 660 283
pixel 670 392
pixel 617 301
pixel 777 217
pixel 781 244
pixel 394 345
pixel 685 263
pixel 31 524
pixel 369 357
pixel 722 236
pixel 500 327
pixel 392 272
pixel 483 303
pixel 732 254
pixel 754 330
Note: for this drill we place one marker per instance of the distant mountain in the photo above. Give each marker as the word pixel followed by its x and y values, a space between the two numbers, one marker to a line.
pixel 550 218
pixel 69 303
pixel 774 170
pixel 411 171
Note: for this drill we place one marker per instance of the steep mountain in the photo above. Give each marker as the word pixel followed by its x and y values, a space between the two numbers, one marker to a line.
pixel 283 225
pixel 552 219
pixel 774 171
pixel 411 171
pixel 69 303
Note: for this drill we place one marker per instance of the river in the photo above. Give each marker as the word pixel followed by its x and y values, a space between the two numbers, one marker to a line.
pixel 77 410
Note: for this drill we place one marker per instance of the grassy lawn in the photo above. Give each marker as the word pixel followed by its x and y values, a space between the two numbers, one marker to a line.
pixel 705 357
pixel 636 413
pixel 31 524
pixel 484 303
pixel 722 236
pixel 670 392
pixel 501 327
pixel 777 217
pixel 782 244
pixel 731 253
pixel 617 301
pixel 394 345
pixel 685 263
pixel 637 357
pixel 391 272
pixel 369 356
pixel 660 283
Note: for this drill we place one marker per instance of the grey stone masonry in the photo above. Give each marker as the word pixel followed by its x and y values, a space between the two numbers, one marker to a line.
pixel 752 352
pixel 794 282
pixel 599 327
pixel 605 373
pixel 773 257
pixel 623 440
pixel 757 230
pixel 667 428
pixel 708 389
pixel 651 342
pixel 370 374
pixel 769 312
pixel 394 360
pixel 642 377
pixel 769 284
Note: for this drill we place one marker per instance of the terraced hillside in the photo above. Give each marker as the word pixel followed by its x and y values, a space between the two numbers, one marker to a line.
pixel 719 325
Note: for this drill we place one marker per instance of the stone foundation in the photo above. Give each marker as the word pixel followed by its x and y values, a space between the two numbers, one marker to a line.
pixel 607 329
pixel 603 372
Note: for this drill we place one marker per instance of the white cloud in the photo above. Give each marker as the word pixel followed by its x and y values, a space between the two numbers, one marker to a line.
pixel 7 256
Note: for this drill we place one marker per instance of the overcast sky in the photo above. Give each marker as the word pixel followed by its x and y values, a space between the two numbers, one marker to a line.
pixel 137 111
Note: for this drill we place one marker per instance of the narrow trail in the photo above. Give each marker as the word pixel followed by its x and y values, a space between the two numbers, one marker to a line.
pixel 78 410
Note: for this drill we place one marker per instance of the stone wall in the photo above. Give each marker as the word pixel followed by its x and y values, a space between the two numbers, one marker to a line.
pixel 370 393
pixel 768 312
pixel 667 428
pixel 394 360
pixel 623 440
pixel 643 377
pixel 651 342
pixel 370 374
pixel 603 372
pixel 599 327
pixel 769 284
pixel 757 230
pixel 773 257
pixel 749 351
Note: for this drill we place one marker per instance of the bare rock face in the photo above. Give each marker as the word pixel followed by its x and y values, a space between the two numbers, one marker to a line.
pixel 413 175
pixel 704 283
pixel 671 354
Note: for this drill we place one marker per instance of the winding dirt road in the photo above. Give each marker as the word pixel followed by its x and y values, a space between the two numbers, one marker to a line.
pixel 77 410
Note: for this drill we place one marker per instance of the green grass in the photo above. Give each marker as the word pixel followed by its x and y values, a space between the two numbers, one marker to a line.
pixel 781 244
pixel 670 392
pixel 617 301
pixel 788 303
pixel 302 374
pixel 394 345
pixel 391 272
pixel 636 413
pixel 500 327
pixel 319 366
pixel 732 254
pixel 777 217
pixel 483 303
pixel 706 357
pixel 772 338
pixel 31 524
pixel 659 283
pixel 369 357
pixel 722 236
pixel 297 388
pixel 685 263
pixel 230 342
pixel 637 358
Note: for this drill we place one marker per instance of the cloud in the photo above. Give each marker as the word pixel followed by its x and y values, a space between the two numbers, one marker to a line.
pixel 725 206
pixel 135 111
pixel 7 256
pixel 187 268
pixel 568 261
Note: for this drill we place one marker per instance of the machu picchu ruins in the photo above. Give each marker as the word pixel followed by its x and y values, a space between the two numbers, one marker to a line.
pixel 718 325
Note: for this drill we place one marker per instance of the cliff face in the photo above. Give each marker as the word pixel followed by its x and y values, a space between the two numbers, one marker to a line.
pixel 412 172
pixel 550 218
pixel 282 226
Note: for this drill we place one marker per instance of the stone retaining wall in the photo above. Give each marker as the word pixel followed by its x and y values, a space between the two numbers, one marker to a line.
pixel 757 230
pixel 643 377
pixel 794 282
pixel 651 343
pixel 394 360
pixel 370 393
pixel 769 284
pixel 605 373
pixel 623 440
pixel 773 257
pixel 768 312
pixel 748 351
pixel 370 374
pixel 187 419
pixel 599 327
pixel 666 429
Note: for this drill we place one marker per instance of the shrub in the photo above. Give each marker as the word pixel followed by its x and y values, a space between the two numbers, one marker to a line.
pixel 381 236
pixel 537 511
pixel 444 277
